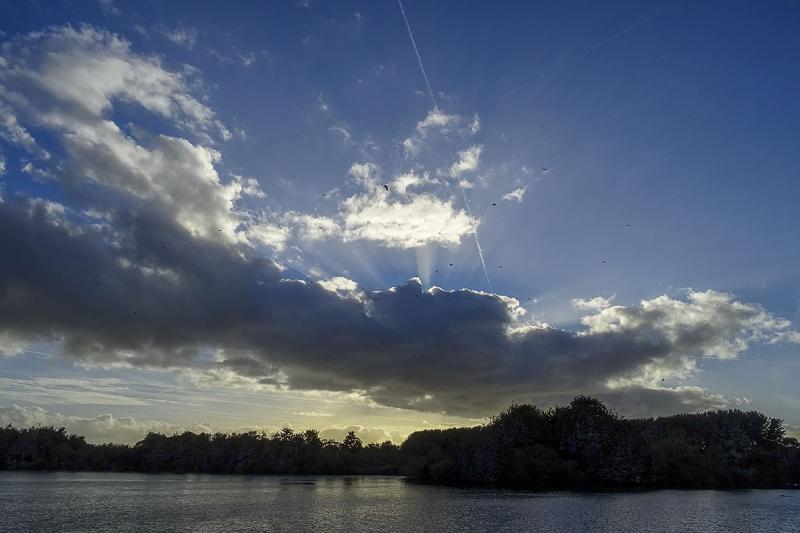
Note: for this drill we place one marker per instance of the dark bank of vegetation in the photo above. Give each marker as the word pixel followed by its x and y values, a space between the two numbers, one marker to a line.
pixel 284 452
pixel 580 446
pixel 585 446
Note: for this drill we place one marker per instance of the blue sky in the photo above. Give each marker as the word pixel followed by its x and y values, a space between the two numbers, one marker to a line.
pixel 630 168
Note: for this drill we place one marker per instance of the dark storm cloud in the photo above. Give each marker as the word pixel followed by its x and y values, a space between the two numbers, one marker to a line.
pixel 141 290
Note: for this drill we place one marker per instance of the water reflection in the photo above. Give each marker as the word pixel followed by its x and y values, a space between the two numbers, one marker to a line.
pixel 133 502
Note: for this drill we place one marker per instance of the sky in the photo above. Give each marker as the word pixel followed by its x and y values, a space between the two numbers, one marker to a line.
pixel 387 217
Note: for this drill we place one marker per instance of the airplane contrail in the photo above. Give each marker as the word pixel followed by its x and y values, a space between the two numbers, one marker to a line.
pixel 625 30
pixel 447 138
pixel 419 57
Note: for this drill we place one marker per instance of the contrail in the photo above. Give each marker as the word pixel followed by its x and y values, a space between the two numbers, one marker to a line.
pixel 447 138
pixel 626 30
pixel 419 57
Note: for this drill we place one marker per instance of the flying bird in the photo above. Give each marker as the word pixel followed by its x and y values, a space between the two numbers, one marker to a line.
pixel 451 264
pixel 494 203
pixel 499 266
pixel 386 187
pixel 604 261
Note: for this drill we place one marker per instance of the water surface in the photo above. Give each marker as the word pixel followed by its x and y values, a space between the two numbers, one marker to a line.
pixel 72 502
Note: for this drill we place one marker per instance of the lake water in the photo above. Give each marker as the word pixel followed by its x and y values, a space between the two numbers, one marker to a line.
pixel 72 502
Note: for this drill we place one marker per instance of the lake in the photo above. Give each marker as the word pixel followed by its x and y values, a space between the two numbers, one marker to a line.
pixel 72 502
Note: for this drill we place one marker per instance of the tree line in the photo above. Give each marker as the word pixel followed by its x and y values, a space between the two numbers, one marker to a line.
pixel 284 452
pixel 579 446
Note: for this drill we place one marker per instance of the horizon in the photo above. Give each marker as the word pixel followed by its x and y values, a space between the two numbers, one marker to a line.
pixel 338 435
pixel 389 217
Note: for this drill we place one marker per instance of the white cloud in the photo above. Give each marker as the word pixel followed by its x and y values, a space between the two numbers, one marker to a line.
pixel 313 414
pixel 79 75
pixel 184 36
pixel 11 345
pixel 13 132
pixel 249 186
pixel 435 120
pixel 248 59
pixel 403 182
pixel 424 219
pixel 99 429
pixel 713 323
pixel 342 286
pixel 516 195
pixel 268 234
pixel 594 304
pixel 468 160
pixel 367 434
pixel 312 226
pixel 789 336
pixel 475 125
pixel 411 146
pixel 108 7
pixel 374 215
pixel 343 132
pixel 365 174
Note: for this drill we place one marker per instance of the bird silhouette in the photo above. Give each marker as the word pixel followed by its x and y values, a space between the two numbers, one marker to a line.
pixel 451 264
pixel 499 266
pixel 604 262
pixel 493 203
pixel 386 187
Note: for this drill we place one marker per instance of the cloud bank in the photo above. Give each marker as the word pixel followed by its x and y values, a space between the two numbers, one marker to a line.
pixel 151 294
